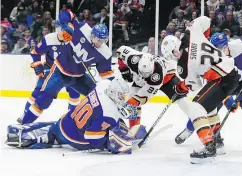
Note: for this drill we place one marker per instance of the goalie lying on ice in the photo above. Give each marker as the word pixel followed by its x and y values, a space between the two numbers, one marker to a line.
pixel 96 123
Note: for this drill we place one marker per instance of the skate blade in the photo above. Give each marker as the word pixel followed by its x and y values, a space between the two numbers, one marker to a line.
pixel 221 151
pixel 202 160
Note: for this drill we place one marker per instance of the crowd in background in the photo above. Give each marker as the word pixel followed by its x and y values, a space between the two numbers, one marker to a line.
pixel 133 21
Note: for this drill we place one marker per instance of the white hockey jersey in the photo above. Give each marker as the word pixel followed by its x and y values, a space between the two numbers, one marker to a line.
pixel 202 55
pixel 147 87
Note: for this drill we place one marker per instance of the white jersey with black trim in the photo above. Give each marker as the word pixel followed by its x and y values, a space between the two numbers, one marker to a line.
pixel 145 87
pixel 203 55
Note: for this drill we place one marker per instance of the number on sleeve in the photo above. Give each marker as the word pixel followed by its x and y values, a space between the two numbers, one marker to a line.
pixel 152 90
pixel 82 113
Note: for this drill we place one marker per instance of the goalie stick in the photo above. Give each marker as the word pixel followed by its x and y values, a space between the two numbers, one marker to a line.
pixel 158 119
pixel 162 129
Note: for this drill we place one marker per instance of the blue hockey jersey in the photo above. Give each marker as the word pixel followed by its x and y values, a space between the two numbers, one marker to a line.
pixel 90 121
pixel 70 60
pixel 51 46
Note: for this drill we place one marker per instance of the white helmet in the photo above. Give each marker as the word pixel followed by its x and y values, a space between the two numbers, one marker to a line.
pixel 117 90
pixel 146 65
pixel 170 47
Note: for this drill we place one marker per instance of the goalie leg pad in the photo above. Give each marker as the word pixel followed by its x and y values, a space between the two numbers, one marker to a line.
pixel 26 136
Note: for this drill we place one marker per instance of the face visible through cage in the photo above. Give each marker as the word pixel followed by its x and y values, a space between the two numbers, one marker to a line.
pixel 97 42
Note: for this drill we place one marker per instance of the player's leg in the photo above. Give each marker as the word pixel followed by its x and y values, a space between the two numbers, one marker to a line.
pixel 133 90
pixel 38 86
pixel 209 97
pixel 50 88
pixel 32 135
pixel 168 88
pixel 74 98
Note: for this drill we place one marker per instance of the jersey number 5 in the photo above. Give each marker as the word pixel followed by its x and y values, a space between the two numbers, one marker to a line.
pixel 211 50
pixel 82 113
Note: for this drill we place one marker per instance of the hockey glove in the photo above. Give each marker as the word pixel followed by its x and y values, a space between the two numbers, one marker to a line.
pixel 126 74
pixel 128 111
pixel 38 68
pixel 181 88
pixel 67 32
pixel 231 104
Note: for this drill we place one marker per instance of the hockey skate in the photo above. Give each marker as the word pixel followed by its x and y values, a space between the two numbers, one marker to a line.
pixel 220 145
pixel 207 154
pixel 182 137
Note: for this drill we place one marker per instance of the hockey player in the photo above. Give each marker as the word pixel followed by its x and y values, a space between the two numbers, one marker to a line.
pixel 200 58
pixel 94 124
pixel 149 74
pixel 233 48
pixel 51 45
pixel 69 68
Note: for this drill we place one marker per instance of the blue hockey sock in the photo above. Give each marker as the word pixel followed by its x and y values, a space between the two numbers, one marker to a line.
pixel 32 114
pixel 190 126
pixel 27 105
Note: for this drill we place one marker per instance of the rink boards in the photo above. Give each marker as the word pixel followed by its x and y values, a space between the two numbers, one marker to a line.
pixel 17 78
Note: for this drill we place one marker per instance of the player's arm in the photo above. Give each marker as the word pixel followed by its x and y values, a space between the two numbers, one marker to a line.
pixel 152 85
pixel 97 133
pixel 104 69
pixel 36 53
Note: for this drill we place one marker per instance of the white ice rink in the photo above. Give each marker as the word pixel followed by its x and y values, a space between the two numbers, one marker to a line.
pixel 160 157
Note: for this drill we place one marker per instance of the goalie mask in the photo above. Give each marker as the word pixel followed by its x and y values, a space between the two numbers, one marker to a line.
pixel 146 65
pixel 117 90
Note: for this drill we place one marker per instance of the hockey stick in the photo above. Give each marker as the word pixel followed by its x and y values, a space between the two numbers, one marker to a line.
pixel 74 49
pixel 157 120
pixel 227 115
pixel 162 129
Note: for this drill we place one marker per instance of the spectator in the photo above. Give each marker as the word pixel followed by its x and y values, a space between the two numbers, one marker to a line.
pixel 18 32
pixel 27 36
pixel 214 22
pixel 32 44
pixel 163 34
pixel 228 33
pixel 47 19
pixel 86 17
pixel 213 3
pixel 14 12
pixel 184 7
pixel 4 47
pixel 123 14
pixel 231 24
pixel 21 47
pixel 51 9
pixel 178 34
pixel 151 46
pixel 44 32
pixel 22 16
pixel 171 28
pixel 103 18
pixel 194 15
pixel 239 16
pixel 221 12
pixel 36 9
pixel 180 22
pixel 36 27
pixel 51 27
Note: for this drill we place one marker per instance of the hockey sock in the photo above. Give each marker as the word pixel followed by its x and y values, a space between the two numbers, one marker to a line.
pixel 214 122
pixel 32 114
pixel 30 101
pixel 190 126
pixel 204 132
pixel 73 102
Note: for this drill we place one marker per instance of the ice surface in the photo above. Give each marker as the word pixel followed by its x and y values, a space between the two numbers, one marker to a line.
pixel 159 157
